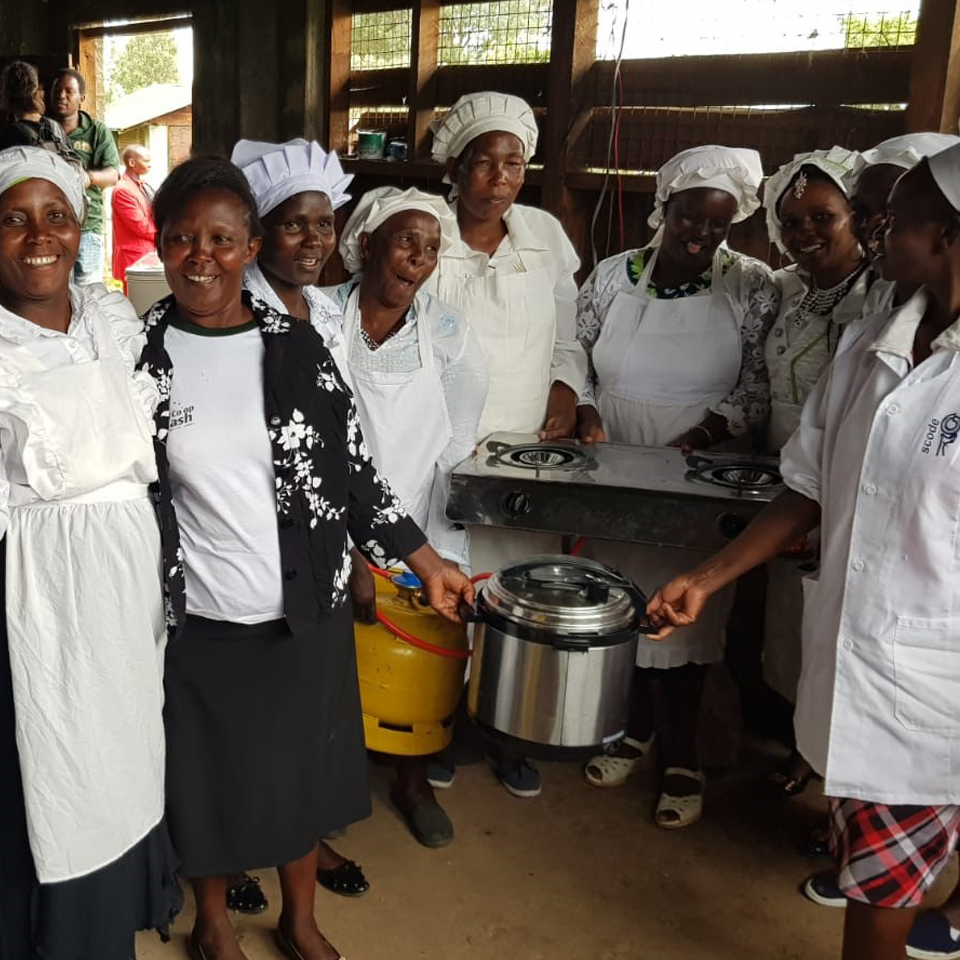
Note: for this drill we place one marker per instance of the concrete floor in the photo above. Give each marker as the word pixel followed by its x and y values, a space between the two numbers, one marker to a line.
pixel 576 874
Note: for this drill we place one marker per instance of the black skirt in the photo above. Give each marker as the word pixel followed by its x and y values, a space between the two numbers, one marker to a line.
pixel 92 916
pixel 265 748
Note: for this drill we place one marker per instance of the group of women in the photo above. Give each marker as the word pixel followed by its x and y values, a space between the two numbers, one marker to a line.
pixel 191 503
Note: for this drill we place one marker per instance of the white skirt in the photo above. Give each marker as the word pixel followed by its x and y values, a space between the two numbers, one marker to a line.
pixel 86 635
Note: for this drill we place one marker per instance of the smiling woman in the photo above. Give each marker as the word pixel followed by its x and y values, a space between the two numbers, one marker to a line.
pixel 674 333
pixel 420 381
pixel 269 471
pixel 80 688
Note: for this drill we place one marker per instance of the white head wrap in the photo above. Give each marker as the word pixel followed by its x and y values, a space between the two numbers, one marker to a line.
pixel 377 206
pixel 945 167
pixel 905 151
pixel 28 163
pixel 278 171
pixel 836 163
pixel 475 114
pixel 735 170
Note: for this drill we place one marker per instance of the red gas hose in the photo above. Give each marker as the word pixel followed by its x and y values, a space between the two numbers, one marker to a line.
pixel 423 644
pixel 409 637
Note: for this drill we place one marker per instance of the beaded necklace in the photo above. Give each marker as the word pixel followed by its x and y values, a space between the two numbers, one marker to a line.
pixel 820 302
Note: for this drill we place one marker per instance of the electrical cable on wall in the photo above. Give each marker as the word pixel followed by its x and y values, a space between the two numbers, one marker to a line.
pixel 613 142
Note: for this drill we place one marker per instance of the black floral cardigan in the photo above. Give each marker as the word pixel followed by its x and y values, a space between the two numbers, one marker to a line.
pixel 326 482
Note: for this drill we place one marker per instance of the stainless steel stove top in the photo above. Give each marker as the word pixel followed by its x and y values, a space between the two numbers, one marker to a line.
pixel 611 490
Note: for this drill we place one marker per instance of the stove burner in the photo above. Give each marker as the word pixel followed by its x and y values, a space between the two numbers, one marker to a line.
pixel 540 456
pixel 747 478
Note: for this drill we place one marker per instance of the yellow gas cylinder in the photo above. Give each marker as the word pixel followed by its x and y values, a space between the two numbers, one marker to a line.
pixel 408 693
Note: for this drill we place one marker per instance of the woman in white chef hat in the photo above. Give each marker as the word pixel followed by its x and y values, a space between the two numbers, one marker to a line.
pixel 870 181
pixel 874 461
pixel 420 381
pixel 511 271
pixel 298 186
pixel 85 859
pixel 675 335
pixel 825 288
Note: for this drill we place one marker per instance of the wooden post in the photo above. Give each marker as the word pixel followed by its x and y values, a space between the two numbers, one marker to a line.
pixel 573 47
pixel 338 117
pixel 935 73
pixel 422 96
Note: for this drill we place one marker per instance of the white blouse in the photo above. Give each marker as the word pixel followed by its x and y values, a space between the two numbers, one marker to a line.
pixel 529 228
pixel 20 338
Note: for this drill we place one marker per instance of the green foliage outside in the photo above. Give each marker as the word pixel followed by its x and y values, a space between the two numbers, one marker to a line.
pixel 147 58
pixel 885 30
pixel 511 31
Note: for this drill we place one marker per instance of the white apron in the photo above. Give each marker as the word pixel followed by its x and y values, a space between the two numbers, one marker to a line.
pixel 85 619
pixel 514 316
pixel 404 417
pixel 660 365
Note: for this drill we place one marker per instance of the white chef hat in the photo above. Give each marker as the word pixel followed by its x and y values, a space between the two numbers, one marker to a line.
pixel 905 151
pixel 945 167
pixel 475 114
pixel 278 171
pixel 735 170
pixel 36 163
pixel 377 206
pixel 836 163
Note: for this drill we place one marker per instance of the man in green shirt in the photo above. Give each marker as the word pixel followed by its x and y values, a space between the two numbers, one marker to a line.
pixel 94 144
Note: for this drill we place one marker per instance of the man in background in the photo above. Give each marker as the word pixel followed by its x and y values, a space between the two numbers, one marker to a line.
pixel 132 202
pixel 94 145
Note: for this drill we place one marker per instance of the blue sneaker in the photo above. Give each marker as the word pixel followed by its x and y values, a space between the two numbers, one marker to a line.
pixel 440 775
pixel 932 938
pixel 519 777
pixel 822 888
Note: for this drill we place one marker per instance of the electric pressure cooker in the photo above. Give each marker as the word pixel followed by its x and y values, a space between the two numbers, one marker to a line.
pixel 554 650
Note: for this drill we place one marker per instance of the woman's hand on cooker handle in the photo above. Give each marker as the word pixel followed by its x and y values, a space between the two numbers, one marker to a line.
pixel 363 589
pixel 561 419
pixel 446 586
pixel 590 425
pixel 677 604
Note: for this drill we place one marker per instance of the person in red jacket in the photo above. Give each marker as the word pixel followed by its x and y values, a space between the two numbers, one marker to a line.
pixel 133 227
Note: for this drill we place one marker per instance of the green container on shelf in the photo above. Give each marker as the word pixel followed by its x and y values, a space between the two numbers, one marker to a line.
pixel 370 144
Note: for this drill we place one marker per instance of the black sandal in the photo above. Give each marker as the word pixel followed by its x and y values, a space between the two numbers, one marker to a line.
pixel 246 895
pixel 347 880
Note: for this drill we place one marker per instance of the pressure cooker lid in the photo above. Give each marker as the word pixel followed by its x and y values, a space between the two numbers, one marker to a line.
pixel 570 596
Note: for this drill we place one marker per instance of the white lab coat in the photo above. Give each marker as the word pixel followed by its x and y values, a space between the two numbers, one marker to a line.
pixel 878 710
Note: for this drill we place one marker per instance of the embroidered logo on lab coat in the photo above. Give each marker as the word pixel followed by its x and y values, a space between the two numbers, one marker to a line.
pixel 941 433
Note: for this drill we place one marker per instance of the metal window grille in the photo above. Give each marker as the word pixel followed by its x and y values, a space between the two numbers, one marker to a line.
pixel 505 31
pixel 752 26
pixel 379 41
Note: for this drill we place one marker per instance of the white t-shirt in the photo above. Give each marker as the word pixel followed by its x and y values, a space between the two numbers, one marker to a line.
pixel 221 471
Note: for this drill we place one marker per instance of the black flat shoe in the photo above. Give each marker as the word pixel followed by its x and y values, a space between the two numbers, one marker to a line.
pixel 246 896
pixel 288 948
pixel 428 822
pixel 347 880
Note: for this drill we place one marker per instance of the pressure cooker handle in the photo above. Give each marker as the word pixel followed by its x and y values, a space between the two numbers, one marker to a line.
pixel 643 624
pixel 468 613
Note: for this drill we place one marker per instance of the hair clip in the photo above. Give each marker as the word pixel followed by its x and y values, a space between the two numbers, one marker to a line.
pixel 800 185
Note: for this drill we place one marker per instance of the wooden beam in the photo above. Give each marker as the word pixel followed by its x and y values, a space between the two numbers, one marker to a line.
pixel 422 96
pixel 823 77
pixel 338 80
pixel 317 42
pixel 527 80
pixel 573 46
pixel 935 75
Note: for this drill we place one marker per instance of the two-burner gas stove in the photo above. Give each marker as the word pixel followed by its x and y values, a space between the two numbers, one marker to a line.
pixel 615 491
